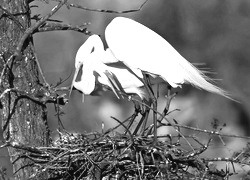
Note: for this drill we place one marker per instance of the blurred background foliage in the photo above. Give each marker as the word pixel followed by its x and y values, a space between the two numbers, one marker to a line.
pixel 214 32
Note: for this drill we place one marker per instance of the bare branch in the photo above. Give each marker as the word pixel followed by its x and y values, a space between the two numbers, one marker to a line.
pixel 106 11
pixel 38 18
pixel 189 127
pixel 42 98
pixel 4 68
pixel 64 27
pixel 30 30
pixel 12 17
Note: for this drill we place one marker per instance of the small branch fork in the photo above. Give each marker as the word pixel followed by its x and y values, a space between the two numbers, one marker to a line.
pixel 37 97
pixel 129 154
pixel 30 30
pixel 40 26
pixel 106 11
pixel 63 27
pixel 184 126
pixel 43 25
pixel 132 152
pixel 27 34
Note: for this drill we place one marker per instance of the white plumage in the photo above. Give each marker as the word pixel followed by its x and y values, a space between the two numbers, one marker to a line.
pixel 139 47
pixel 95 74
pixel 141 50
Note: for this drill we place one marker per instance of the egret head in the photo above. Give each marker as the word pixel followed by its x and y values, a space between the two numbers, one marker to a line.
pixel 91 46
pixel 87 82
pixel 78 66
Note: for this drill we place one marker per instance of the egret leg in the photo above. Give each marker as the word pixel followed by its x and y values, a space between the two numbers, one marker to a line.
pixel 132 117
pixel 154 102
pixel 145 115
pixel 169 98
pixel 143 120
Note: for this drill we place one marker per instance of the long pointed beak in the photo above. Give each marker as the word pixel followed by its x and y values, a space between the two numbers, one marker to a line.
pixel 113 84
pixel 74 79
pixel 83 98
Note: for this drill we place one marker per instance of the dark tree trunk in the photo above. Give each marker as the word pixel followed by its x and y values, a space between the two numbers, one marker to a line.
pixel 24 121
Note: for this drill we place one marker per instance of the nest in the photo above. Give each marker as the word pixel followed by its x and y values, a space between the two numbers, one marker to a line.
pixel 117 156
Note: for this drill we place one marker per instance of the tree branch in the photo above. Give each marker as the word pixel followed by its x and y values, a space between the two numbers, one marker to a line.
pixel 30 30
pixel 63 27
pixel 106 11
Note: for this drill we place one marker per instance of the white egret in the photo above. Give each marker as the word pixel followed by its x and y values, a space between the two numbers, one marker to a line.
pixel 144 52
pixel 97 76
pixel 140 48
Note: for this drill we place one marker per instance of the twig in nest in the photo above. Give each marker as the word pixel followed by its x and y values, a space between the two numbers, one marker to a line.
pixel 127 130
pixel 78 156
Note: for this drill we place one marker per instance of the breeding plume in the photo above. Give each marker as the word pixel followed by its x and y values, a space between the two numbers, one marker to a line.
pixel 141 49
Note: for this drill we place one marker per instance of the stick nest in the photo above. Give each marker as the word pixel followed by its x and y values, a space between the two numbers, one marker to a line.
pixel 117 156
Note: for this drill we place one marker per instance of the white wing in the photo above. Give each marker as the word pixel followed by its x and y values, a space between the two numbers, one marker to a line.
pixel 140 47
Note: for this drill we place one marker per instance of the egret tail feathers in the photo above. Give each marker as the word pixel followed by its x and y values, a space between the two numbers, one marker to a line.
pixel 197 78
